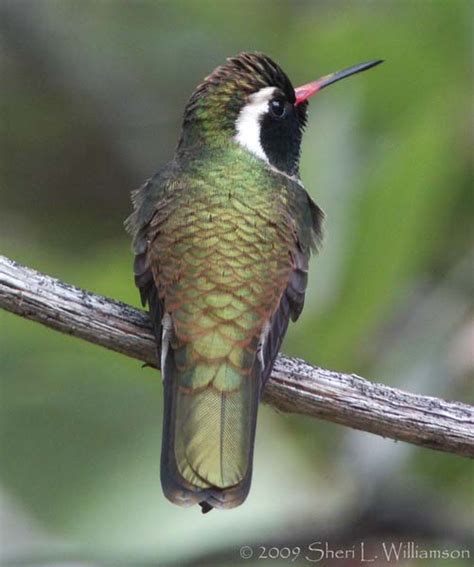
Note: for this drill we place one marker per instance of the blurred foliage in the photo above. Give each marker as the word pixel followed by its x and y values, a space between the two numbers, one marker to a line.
pixel 95 92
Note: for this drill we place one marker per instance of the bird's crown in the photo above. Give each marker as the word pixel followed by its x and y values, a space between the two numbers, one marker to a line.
pixel 241 76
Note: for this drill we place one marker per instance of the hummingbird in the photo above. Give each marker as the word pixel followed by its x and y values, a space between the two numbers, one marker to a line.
pixel 222 236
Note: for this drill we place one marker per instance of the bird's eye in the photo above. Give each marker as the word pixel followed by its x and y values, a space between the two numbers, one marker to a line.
pixel 277 108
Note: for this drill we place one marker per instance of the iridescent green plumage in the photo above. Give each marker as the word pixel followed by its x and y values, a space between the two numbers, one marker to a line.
pixel 222 242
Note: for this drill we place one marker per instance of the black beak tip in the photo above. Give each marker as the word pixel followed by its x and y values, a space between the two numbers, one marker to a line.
pixel 371 64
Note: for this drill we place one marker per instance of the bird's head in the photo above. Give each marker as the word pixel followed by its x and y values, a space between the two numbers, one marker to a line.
pixel 251 101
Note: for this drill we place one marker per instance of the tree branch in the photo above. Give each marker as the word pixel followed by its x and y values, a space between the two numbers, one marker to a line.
pixel 295 386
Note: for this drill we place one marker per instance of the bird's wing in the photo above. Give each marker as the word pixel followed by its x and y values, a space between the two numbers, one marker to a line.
pixel 152 196
pixel 309 218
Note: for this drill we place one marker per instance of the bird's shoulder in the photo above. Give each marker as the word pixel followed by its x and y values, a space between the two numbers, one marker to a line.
pixel 308 216
pixel 147 198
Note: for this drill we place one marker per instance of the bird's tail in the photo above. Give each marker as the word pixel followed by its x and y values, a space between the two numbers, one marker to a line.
pixel 210 413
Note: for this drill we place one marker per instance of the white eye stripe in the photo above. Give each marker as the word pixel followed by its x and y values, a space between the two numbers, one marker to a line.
pixel 248 122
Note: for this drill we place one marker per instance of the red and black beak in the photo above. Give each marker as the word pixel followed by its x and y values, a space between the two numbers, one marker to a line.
pixel 305 91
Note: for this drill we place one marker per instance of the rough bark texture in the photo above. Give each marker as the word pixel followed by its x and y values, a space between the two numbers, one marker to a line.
pixel 295 386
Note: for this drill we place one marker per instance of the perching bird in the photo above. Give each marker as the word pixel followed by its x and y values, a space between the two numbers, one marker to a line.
pixel 222 237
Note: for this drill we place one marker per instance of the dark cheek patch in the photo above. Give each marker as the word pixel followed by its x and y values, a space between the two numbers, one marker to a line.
pixel 281 141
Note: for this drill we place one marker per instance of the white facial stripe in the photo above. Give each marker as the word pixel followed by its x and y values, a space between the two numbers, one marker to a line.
pixel 248 122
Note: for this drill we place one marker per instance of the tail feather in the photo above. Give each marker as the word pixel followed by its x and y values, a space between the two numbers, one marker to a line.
pixel 208 439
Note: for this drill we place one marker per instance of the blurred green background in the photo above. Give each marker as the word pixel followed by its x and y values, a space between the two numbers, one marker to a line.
pixel 91 105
